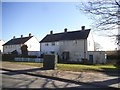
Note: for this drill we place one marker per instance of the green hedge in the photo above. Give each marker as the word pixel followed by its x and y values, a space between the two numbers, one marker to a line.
pixel 113 57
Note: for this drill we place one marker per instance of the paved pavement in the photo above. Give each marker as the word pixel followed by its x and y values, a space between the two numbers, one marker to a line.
pixel 23 76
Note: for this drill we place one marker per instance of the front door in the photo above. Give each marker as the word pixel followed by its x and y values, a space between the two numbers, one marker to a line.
pixel 65 56
pixel 91 59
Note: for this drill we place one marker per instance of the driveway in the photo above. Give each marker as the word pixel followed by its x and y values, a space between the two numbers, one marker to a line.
pixel 23 76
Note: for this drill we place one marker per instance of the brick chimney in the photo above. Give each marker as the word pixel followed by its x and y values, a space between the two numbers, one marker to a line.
pixel 83 28
pixel 51 32
pixel 65 30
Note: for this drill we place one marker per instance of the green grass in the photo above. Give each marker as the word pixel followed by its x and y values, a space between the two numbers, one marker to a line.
pixel 74 67
pixel 35 64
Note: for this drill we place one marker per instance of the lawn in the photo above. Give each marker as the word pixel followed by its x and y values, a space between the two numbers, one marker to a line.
pixel 74 67
pixel 80 67
pixel 35 64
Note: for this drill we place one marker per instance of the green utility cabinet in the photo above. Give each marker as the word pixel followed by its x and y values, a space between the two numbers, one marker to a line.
pixel 50 61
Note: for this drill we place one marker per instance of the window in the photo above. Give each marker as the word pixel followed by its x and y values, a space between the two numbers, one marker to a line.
pixel 52 52
pixel 46 44
pixel 53 43
pixel 75 42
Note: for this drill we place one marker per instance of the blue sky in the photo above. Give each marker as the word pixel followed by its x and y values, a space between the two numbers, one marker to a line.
pixel 39 18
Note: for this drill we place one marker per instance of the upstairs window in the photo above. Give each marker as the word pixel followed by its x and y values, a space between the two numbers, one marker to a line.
pixel 75 42
pixel 53 43
pixel 46 44
pixel 5 46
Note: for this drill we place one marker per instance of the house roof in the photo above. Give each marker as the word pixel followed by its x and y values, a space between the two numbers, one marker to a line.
pixel 18 41
pixel 73 35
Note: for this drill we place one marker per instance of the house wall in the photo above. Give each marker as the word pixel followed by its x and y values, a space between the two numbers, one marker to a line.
pixel 98 57
pixel 48 47
pixel 90 42
pixel 9 48
pixel 33 44
pixel 74 47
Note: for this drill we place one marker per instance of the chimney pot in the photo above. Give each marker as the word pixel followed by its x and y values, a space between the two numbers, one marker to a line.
pixel 13 37
pixel 21 36
pixel 83 27
pixel 29 34
pixel 65 30
pixel 51 32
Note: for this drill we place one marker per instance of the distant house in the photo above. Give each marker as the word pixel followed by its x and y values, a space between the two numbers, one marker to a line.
pixel 70 46
pixel 1 47
pixel 15 44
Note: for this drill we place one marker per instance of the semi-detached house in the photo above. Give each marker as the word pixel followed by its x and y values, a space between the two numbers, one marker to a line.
pixel 15 44
pixel 70 46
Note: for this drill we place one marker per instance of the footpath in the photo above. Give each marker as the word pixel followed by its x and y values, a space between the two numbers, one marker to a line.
pixel 96 79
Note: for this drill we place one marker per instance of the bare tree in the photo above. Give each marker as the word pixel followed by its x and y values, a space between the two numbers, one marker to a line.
pixel 106 14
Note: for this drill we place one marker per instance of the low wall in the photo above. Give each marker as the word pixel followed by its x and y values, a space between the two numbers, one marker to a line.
pixel 36 53
pixel 29 59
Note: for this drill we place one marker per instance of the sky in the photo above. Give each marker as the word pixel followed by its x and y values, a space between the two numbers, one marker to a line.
pixel 39 18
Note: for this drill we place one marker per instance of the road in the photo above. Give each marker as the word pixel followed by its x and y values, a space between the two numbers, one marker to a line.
pixel 18 80
pixel 28 81
pixel 22 76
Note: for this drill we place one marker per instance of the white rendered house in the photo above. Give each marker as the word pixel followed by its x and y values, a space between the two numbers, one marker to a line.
pixel 1 47
pixel 16 44
pixel 70 46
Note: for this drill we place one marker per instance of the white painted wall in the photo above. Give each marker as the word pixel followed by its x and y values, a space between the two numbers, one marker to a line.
pixel 1 47
pixel 74 47
pixel 9 48
pixel 48 48
pixel 33 44
pixel 90 42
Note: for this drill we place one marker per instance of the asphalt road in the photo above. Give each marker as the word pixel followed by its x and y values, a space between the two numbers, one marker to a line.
pixel 14 76
pixel 10 80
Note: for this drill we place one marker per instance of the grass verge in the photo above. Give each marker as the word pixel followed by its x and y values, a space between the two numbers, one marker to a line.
pixel 73 67
pixel 78 68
